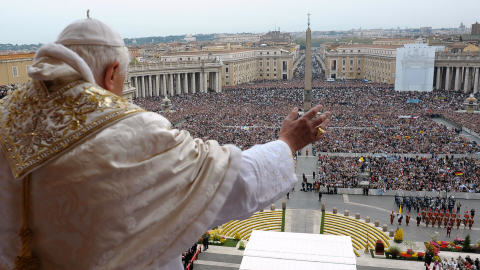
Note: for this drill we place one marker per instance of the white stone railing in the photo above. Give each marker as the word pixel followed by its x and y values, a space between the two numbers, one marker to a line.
pixel 173 65
pixel 439 56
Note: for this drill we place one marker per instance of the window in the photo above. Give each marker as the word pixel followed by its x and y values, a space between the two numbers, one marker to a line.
pixel 351 62
pixel 226 69
pixel 15 71
pixel 261 63
pixel 344 62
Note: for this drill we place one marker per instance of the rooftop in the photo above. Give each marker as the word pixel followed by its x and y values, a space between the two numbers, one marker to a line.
pixel 17 56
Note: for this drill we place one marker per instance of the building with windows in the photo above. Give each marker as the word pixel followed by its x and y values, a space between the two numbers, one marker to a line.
pixel 243 65
pixel 13 68
pixel 476 28
pixel 361 61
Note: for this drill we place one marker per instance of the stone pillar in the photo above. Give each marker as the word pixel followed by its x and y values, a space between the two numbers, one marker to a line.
pixel 134 84
pixel 185 83
pixel 476 80
pixel 157 85
pixel 205 82
pixel 141 90
pixel 439 78
pixel 217 82
pixel 200 86
pixel 164 84
pixel 466 86
pixel 447 79
pixel 150 92
pixel 457 79
pixel 219 74
pixel 170 85
pixel 193 82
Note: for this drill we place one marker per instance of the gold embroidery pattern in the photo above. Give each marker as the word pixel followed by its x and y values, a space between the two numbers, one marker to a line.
pixel 37 125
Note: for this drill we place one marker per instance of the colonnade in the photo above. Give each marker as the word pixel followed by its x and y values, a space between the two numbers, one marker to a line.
pixel 460 78
pixel 163 84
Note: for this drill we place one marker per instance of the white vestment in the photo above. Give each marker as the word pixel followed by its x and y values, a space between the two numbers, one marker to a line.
pixel 135 194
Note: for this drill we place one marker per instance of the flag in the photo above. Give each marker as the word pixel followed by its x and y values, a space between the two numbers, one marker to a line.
pixel 400 210
pixel 459 173
pixel 361 159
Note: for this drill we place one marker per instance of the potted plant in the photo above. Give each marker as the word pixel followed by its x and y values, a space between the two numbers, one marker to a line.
pixel 398 237
pixel 394 252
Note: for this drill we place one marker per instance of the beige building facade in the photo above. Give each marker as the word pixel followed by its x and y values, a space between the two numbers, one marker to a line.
pixel 13 68
pixel 243 65
pixel 361 61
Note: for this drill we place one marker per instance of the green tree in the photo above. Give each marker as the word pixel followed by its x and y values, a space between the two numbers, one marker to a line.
pixel 466 243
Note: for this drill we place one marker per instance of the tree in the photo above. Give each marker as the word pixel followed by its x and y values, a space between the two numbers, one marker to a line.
pixel 466 243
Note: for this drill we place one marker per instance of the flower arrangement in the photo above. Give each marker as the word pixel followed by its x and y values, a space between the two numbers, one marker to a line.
pixel 241 245
pixel 398 237
pixel 394 253
pixel 237 236
pixel 458 241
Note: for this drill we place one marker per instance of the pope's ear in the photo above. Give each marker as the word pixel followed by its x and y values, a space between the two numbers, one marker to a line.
pixel 111 72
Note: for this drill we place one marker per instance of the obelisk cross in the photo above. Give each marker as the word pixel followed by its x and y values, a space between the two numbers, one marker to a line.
pixel 307 92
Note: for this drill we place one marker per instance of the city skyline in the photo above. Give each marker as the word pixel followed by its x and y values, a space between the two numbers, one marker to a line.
pixel 142 19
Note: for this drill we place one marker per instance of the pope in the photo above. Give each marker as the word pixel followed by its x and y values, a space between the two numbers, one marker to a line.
pixel 91 181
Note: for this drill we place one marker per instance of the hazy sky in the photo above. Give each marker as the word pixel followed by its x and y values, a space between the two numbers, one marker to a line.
pixel 34 21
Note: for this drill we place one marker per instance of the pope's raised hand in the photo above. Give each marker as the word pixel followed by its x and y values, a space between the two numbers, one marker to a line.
pixel 299 132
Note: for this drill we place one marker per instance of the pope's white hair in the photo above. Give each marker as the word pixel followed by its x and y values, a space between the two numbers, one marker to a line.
pixel 98 57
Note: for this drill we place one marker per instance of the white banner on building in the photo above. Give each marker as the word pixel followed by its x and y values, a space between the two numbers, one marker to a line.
pixel 415 67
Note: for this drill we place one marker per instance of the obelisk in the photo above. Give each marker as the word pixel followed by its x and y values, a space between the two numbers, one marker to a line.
pixel 307 92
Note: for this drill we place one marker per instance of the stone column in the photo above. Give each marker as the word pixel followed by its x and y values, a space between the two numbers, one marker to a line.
pixel 170 91
pixel 447 80
pixel 157 85
pixel 205 82
pixel 134 84
pixel 150 88
pixel 141 86
pixel 202 84
pixel 476 82
pixel 439 78
pixel 219 80
pixel 185 83
pixel 179 85
pixel 164 84
pixel 466 86
pixel 194 82
pixel 457 79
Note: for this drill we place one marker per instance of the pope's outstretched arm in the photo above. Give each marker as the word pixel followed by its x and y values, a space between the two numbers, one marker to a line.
pixel 267 171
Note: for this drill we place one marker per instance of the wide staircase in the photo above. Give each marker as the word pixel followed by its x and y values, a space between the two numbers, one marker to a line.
pixel 263 221
pixel 360 231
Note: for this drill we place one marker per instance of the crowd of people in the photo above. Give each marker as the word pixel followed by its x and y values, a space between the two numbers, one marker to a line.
pixel 454 264
pixel 393 173
pixel 366 118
